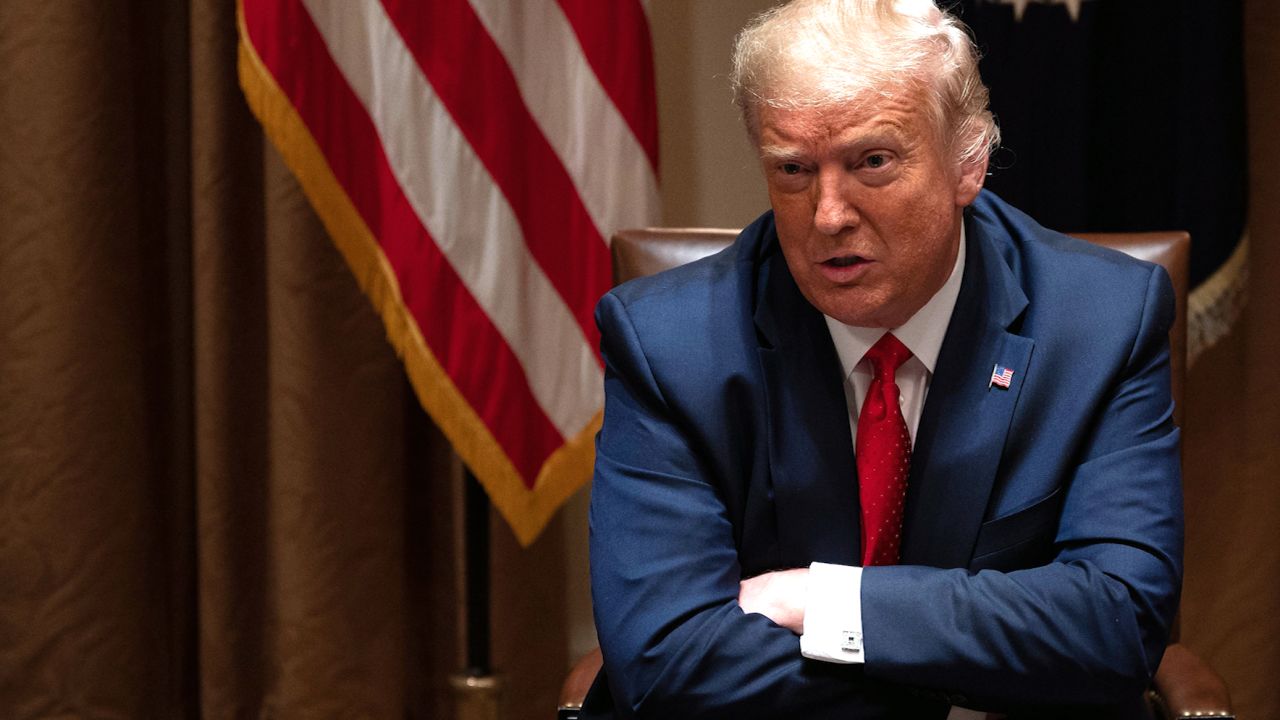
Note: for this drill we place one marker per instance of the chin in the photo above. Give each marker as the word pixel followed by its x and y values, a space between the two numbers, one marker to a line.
pixel 862 322
pixel 856 311
pixel 857 318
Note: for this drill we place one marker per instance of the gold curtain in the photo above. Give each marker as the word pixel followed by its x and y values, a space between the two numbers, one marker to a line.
pixel 218 496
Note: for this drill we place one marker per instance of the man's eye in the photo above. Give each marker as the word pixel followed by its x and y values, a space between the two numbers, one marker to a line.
pixel 791 168
pixel 876 161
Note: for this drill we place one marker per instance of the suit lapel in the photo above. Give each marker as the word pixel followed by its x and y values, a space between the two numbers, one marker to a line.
pixel 810 448
pixel 962 431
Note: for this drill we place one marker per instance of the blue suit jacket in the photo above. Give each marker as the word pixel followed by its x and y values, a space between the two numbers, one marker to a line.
pixel 1042 547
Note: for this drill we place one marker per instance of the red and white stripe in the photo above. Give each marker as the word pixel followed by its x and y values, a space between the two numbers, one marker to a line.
pixel 492 147
pixel 573 110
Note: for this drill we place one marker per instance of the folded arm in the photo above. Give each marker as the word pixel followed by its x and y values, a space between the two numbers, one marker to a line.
pixel 665 573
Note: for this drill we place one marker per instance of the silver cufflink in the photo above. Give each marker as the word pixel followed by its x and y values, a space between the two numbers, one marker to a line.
pixel 852 641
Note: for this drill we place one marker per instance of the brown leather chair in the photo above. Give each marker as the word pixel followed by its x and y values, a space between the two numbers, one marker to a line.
pixel 1185 686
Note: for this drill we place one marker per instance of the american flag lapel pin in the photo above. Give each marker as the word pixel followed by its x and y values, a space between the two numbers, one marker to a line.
pixel 1001 376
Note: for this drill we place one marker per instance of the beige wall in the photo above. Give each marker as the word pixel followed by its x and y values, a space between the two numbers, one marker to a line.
pixel 709 174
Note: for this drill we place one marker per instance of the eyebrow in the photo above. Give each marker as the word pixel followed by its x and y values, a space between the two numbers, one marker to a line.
pixel 778 153
pixel 882 134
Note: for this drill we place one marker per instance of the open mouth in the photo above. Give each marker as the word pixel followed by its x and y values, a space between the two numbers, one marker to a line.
pixel 845 261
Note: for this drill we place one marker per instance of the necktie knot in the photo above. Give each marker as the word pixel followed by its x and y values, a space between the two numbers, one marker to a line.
pixel 886 356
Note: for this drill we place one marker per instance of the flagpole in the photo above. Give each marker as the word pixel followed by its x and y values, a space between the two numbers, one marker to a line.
pixel 477 564
pixel 477 690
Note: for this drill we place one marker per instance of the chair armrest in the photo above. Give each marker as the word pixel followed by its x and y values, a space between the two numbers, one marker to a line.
pixel 1186 687
pixel 575 687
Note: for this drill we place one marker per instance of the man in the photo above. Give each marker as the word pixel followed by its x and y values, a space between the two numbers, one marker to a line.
pixel 899 449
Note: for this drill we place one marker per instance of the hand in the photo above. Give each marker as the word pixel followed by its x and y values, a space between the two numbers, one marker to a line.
pixel 780 596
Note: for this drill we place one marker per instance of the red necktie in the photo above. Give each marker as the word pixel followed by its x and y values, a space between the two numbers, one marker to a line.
pixel 883 453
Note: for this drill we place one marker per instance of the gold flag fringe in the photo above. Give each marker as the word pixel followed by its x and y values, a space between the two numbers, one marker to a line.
pixel 567 469
pixel 1216 305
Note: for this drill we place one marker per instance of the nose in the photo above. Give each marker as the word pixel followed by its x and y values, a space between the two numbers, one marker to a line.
pixel 834 211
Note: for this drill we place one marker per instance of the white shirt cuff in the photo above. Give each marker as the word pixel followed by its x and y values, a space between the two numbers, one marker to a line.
pixel 833 614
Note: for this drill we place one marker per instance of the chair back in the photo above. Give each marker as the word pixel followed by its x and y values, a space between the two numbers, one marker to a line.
pixel 645 251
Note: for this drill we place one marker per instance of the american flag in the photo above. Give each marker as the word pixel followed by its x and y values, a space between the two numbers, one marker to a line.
pixel 471 159
pixel 1001 376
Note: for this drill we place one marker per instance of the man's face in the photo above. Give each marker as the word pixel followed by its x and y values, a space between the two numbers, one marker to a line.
pixel 867 204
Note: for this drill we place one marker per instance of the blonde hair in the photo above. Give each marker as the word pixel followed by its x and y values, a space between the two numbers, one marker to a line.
pixel 812 53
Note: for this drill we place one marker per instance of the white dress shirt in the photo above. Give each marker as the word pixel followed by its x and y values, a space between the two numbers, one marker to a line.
pixel 833 611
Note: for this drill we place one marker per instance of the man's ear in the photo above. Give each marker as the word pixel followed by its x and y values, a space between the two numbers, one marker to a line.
pixel 972 175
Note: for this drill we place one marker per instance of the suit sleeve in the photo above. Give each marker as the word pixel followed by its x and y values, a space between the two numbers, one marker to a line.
pixel 1090 626
pixel 665 572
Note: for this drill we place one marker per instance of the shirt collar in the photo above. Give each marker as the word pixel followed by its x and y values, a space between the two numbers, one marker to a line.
pixel 922 333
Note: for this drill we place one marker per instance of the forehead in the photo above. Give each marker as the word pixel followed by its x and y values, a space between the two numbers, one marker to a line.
pixel 878 118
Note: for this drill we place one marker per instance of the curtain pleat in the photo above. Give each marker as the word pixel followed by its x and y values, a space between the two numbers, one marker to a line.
pixel 86 562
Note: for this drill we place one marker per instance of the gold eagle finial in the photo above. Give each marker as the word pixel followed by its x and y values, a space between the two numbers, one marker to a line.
pixel 1020 6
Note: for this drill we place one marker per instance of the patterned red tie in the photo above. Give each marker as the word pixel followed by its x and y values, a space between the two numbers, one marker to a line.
pixel 883 453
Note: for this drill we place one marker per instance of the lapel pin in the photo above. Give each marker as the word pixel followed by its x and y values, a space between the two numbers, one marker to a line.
pixel 1001 376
